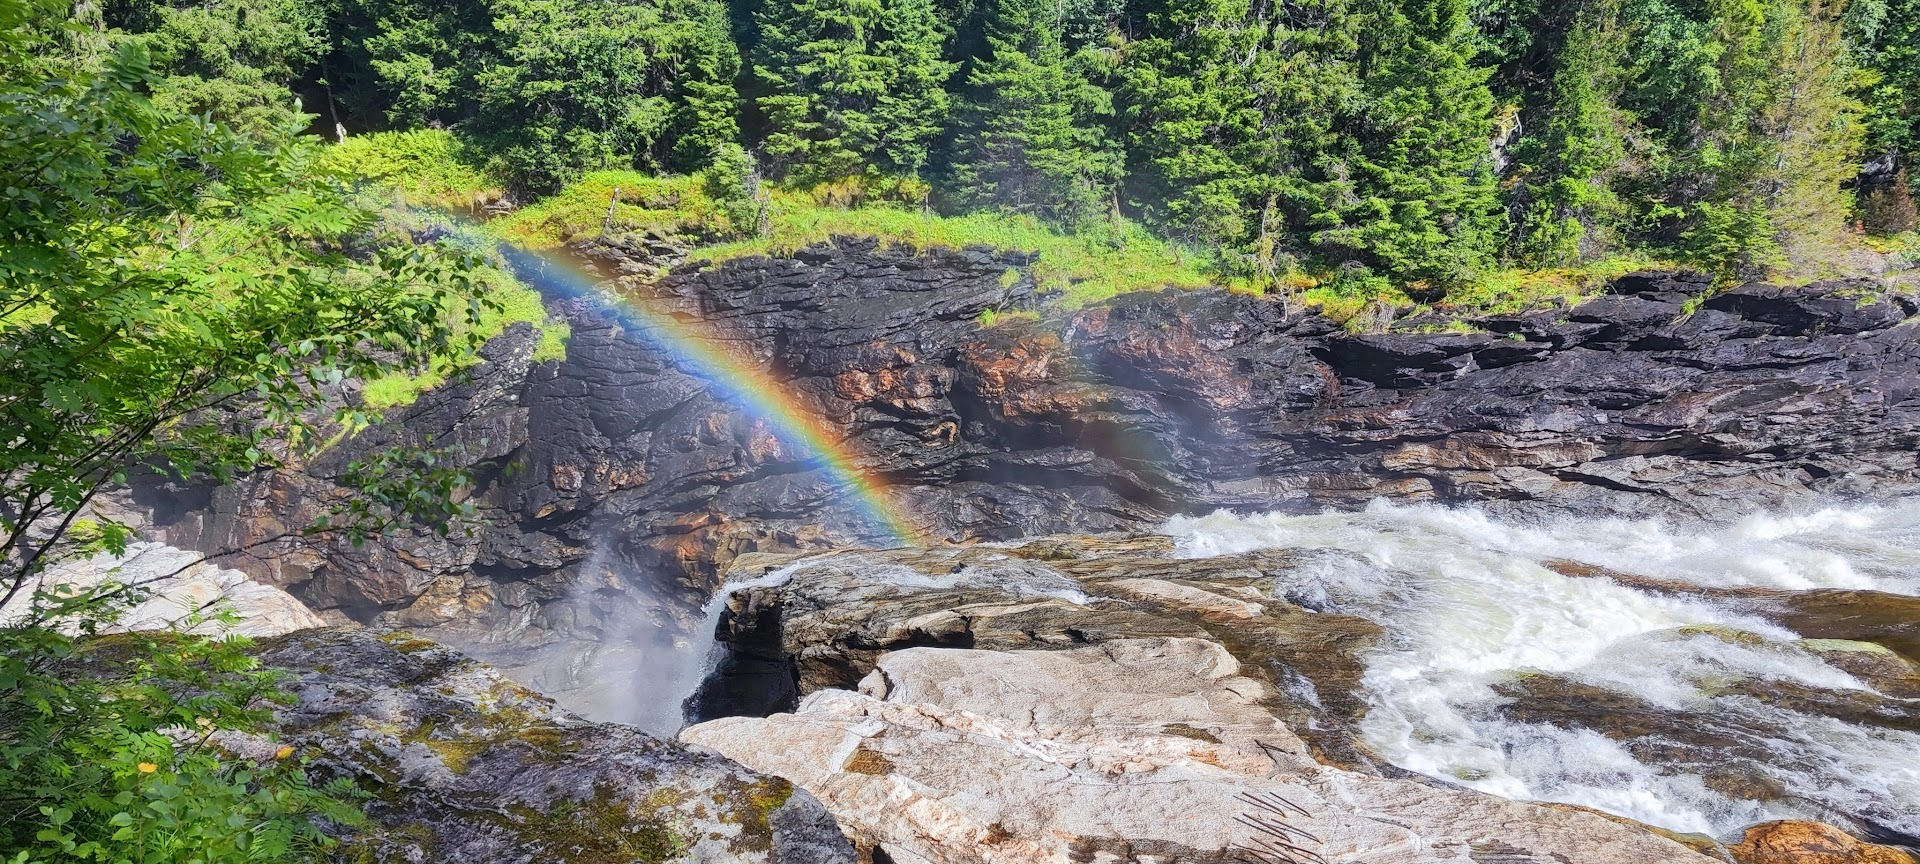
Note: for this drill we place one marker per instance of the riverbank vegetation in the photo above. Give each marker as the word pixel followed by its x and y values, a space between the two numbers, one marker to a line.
pixel 1363 148
pixel 184 287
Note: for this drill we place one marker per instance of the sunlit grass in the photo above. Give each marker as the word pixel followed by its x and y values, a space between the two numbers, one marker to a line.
pixel 420 168
pixel 671 206
pixel 1516 290
pixel 518 303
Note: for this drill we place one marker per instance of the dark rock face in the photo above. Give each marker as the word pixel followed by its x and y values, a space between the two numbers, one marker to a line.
pixel 611 483
pixel 463 766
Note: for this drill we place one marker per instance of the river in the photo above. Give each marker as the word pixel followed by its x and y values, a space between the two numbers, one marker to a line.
pixel 1488 636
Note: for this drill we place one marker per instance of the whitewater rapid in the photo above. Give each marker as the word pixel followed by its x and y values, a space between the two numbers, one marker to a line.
pixel 1468 604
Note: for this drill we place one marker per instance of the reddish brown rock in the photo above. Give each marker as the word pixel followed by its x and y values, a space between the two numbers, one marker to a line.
pixel 1809 843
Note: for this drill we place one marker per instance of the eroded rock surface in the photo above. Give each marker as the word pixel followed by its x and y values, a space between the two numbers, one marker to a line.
pixel 464 766
pixel 179 591
pixel 611 485
pixel 1096 641
pixel 1134 750
pixel 835 617
pixel 1809 843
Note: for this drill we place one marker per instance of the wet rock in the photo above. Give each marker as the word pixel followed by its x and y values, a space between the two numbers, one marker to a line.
pixel 1891 621
pixel 463 766
pixel 1147 750
pixel 1809 843
pixel 613 485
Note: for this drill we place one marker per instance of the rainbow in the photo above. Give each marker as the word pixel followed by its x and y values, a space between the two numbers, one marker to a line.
pixel 751 388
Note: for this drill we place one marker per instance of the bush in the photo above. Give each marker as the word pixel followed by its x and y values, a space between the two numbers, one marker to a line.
pixel 425 167
pixel 108 753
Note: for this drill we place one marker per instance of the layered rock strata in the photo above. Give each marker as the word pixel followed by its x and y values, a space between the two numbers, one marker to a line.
pixel 610 485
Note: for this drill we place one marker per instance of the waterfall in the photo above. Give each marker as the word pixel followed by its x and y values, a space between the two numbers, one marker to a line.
pixel 1473 614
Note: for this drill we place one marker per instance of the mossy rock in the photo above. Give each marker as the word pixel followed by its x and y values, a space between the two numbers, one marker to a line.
pixel 461 765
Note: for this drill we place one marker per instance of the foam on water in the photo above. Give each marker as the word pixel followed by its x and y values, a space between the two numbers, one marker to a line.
pixel 1468 606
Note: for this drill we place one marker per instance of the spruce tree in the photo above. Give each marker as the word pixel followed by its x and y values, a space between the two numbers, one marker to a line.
pixel 1887 36
pixel 1230 106
pixel 1565 208
pixel 1032 137
pixel 1425 207
pixel 851 86
pixel 589 84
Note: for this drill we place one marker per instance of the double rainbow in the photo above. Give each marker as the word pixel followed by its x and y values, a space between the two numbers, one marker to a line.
pixel 749 387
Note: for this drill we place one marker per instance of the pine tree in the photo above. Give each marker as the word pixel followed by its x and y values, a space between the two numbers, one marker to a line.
pixel 1426 207
pixel 1887 36
pixel 578 86
pixel 1566 209
pixel 1033 138
pixel 1813 134
pixel 1750 131
pixel 852 86
pixel 1229 108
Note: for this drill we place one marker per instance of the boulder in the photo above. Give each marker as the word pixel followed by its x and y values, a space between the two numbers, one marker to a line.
pixel 1134 750
pixel 464 766
pixel 1809 843
pixel 181 591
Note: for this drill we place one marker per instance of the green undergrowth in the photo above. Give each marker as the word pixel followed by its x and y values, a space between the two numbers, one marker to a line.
pixel 1085 266
pixel 429 178
pixel 429 169
pixel 668 206
pixel 518 303
pixel 421 168
pixel 1511 291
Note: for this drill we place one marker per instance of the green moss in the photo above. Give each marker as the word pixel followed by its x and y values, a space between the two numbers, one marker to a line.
pixel 991 318
pixel 597 830
pixel 407 643
pixel 519 303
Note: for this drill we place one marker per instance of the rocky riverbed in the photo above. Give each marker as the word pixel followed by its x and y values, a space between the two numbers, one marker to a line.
pixel 1176 688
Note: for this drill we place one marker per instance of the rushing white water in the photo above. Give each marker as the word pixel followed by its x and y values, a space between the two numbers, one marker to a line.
pixel 1468 606
pixel 692 662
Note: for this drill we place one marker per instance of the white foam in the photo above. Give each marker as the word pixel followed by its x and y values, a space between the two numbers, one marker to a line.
pixel 1468 605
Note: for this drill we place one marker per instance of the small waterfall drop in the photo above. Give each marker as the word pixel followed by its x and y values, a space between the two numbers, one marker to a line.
pixel 693 661
pixel 1474 617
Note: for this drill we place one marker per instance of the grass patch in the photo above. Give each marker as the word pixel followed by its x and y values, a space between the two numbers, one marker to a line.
pixel 518 303
pixel 425 170
pixel 1371 306
pixel 1513 291
pixel 1087 266
pixel 662 205
pixel 420 168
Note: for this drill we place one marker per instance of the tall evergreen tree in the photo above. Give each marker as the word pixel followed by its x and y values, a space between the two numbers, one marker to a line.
pixel 1033 137
pixel 1751 130
pixel 1564 208
pixel 403 63
pixel 1229 108
pixel 851 86
pixel 1887 37
pixel 586 84
pixel 1425 206
pixel 234 62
